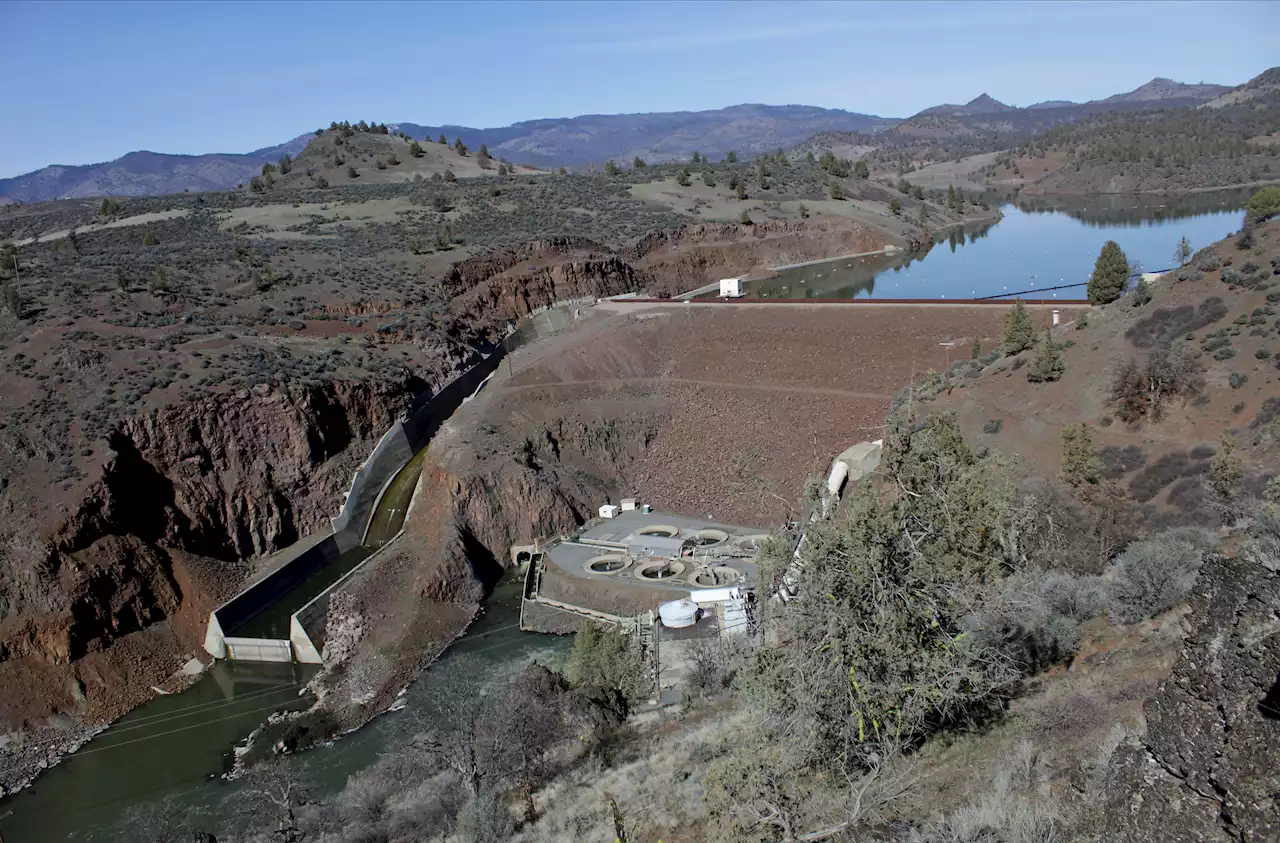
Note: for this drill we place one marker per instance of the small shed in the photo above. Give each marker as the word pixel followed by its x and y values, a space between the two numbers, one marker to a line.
pixel 730 288
pixel 609 510
pixel 628 504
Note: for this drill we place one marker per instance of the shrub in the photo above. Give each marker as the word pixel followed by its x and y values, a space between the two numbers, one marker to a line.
pixel 1142 389
pixel 1141 294
pixel 1206 260
pixel 1115 460
pixel 1263 205
pixel 149 239
pixel 1226 471
pixel 1245 239
pixel 606 659
pixel 1017 332
pixel 485 819
pixel 993 425
pixel 1155 574
pixel 1188 494
pixel 352 172
pixel 1079 462
pixel 1148 483
pixel 1073 596
pixel 1230 275
pixel 1238 379
pixel 1047 365
pixel 1262 354
pixel 1165 325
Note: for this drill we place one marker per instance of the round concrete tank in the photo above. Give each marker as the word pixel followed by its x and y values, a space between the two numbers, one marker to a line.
pixel 678 613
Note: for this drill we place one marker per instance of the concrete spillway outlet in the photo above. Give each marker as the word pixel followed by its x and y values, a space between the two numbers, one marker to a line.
pixel 608 564
pixel 660 569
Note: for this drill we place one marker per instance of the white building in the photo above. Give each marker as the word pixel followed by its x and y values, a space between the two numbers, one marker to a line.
pixel 730 288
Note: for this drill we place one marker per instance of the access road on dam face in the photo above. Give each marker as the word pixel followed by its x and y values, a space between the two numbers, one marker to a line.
pixel 757 387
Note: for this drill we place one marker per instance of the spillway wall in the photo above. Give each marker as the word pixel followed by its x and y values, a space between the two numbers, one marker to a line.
pixel 308 627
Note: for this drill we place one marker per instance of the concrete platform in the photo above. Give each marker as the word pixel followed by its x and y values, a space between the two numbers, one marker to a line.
pixel 617 529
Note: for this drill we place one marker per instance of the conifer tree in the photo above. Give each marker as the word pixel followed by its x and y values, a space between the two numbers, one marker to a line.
pixel 1110 274
pixel 1047 364
pixel 1017 333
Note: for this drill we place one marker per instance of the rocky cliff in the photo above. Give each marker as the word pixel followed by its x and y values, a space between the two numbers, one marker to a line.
pixel 222 479
pixel 682 259
pixel 1206 767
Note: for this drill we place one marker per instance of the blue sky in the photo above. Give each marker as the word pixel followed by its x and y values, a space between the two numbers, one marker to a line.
pixel 88 82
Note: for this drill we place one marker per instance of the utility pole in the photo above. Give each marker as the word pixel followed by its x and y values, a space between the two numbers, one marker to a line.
pixel 948 346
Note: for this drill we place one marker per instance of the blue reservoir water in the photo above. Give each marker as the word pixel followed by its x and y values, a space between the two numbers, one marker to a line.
pixel 1035 246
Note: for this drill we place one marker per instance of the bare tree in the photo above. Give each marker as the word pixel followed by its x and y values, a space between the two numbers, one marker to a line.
pixel 273 789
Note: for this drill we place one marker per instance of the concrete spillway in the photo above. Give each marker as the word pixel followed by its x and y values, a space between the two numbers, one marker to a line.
pixel 283 615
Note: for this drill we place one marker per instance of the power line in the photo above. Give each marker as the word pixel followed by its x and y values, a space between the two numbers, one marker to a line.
pixel 220 720
pixel 267 708
pixel 175 731
pixel 179 713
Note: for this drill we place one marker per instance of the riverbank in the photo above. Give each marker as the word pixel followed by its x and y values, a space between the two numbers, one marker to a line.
pixel 1031 190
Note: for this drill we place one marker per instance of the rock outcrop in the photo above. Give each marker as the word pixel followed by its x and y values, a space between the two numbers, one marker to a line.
pixel 226 478
pixel 1207 769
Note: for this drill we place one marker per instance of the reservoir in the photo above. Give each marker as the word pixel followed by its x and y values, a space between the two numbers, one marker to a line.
pixel 1038 244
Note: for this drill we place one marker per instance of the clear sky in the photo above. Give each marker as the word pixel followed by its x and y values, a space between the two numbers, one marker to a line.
pixel 87 82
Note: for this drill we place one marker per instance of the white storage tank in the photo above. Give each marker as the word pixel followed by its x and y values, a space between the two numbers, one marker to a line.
pixel 678 613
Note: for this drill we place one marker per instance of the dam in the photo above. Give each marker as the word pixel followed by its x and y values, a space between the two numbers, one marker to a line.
pixel 282 615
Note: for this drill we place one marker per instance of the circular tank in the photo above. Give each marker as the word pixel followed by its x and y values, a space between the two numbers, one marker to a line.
pixel 710 537
pixel 665 530
pixel 714 577
pixel 659 570
pixel 610 563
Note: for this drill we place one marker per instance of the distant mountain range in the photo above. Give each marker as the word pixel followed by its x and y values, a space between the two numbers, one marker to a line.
pixel 594 138
pixel 145 174
pixel 661 136
pixel 985 124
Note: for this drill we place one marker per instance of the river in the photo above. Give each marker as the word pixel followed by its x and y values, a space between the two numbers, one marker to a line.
pixel 171 751
pixel 1039 243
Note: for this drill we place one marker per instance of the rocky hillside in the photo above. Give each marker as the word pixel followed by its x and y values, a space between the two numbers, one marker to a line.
pixel 986 125
pixel 1233 142
pixel 657 136
pixel 350 155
